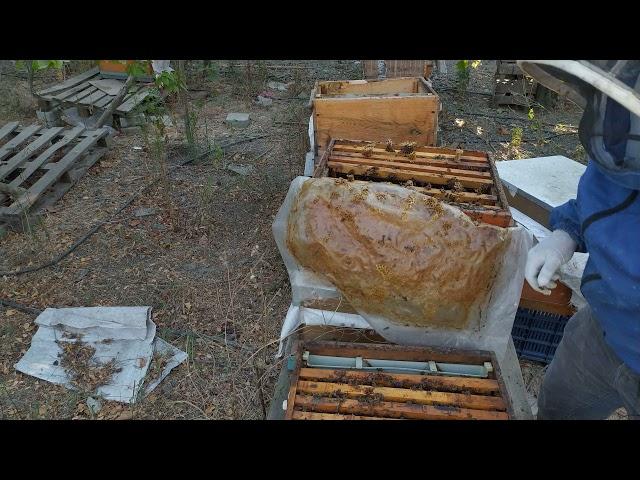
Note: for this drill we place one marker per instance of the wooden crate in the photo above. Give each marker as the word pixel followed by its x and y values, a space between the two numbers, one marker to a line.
pixel 38 165
pixel 465 178
pixel 398 109
pixel 79 92
pixel 358 394
pixel 398 68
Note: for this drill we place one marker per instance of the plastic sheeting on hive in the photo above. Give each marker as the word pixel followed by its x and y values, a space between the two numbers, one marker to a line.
pixel 418 270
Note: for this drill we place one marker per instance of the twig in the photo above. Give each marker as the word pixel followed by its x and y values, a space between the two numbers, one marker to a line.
pixel 194 406
pixel 260 392
pixel 502 117
pixel 19 306
pixel 237 142
pixel 264 153
pixel 292 123
pixel 445 89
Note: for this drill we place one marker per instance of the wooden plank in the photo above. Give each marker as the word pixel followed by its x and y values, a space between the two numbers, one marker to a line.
pixel 54 174
pixel 557 302
pixel 24 155
pixel 69 136
pixel 497 218
pixel 297 415
pixel 93 98
pixel 419 159
pixel 84 93
pixel 8 148
pixel 67 93
pixel 397 352
pixel 7 129
pixel 70 82
pixel 395 409
pixel 321 169
pixel 427 152
pixel 376 119
pixel 498 187
pixel 69 179
pixel 510 100
pixel 461 197
pixel 404 163
pixel 291 398
pixel 104 101
pixel 403 175
pixel 391 394
pixel 483 386
pixel 133 101
pixel 508 69
pixel 388 86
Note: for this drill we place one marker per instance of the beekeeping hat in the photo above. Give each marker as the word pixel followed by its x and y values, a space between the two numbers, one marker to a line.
pixel 575 79
pixel 609 92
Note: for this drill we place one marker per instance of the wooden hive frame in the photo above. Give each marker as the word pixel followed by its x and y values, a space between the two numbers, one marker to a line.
pixel 356 394
pixel 465 178
pixel 38 165
pixel 399 109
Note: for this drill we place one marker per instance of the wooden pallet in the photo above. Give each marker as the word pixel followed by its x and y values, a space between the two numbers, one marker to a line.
pixel 467 179
pixel 78 91
pixel 398 68
pixel 512 87
pixel 356 394
pixel 38 165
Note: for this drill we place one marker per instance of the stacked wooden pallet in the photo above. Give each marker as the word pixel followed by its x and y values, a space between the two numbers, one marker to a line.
pixel 465 178
pixel 93 91
pixel 318 393
pixel 398 68
pixel 512 87
pixel 38 165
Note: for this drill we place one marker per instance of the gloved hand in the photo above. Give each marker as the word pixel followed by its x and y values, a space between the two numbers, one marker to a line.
pixel 545 258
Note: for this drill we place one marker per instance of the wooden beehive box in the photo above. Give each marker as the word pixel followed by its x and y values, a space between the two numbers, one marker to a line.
pixel 465 178
pixel 398 68
pixel 398 109
pixel 367 391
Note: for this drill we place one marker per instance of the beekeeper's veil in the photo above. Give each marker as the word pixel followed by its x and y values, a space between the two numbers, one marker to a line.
pixel 609 91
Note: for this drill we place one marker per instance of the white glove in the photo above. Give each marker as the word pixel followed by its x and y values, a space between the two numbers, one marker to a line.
pixel 544 260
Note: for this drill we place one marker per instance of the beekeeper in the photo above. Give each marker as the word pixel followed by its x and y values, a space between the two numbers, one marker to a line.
pixel 596 368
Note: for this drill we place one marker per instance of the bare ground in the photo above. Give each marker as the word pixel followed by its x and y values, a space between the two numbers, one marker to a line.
pixel 205 259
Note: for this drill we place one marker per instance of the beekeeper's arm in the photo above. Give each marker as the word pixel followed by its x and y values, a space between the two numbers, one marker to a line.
pixel 544 260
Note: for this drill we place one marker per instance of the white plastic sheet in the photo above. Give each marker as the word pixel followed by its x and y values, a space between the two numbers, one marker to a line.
pixel 125 335
pixel 491 331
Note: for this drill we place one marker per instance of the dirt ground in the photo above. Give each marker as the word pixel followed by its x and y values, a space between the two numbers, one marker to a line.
pixel 204 257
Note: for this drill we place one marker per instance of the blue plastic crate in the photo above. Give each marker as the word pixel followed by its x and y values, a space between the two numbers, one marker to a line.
pixel 536 335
